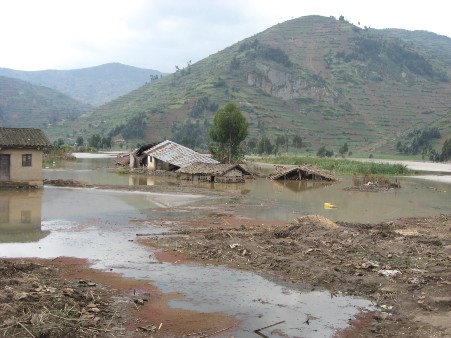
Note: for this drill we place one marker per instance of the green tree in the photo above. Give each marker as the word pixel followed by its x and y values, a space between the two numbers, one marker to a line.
pixel 343 149
pixel 95 141
pixel 323 152
pixel 264 146
pixel 252 144
pixel 229 131
pixel 297 141
pixel 446 150
pixel 80 141
pixel 58 143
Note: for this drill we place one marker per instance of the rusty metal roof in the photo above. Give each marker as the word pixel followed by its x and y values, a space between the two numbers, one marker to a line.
pixel 23 138
pixel 176 154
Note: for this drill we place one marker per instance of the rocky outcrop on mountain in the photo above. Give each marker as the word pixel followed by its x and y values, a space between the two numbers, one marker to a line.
pixel 286 86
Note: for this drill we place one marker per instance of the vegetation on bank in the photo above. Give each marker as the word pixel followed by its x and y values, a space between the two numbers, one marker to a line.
pixel 341 166
pixel 57 155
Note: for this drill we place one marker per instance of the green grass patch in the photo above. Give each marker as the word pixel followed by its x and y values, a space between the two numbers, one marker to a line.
pixel 341 166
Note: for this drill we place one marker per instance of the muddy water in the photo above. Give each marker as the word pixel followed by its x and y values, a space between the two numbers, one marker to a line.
pixel 424 195
pixel 102 226
pixel 287 200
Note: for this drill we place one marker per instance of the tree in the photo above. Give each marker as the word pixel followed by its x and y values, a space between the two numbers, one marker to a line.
pixel 297 141
pixel 229 131
pixel 95 141
pixel 323 152
pixel 264 146
pixel 446 150
pixel 80 141
pixel 252 144
pixel 343 149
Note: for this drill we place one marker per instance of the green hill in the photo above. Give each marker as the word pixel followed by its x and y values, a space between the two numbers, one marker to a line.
pixel 323 79
pixel 93 85
pixel 25 105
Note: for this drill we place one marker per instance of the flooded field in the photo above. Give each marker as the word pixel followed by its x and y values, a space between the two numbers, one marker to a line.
pixel 101 225
pixel 423 195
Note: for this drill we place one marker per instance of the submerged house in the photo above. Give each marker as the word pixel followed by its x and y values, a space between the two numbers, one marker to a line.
pixel 211 172
pixel 168 156
pixel 302 172
pixel 21 153
pixel 135 159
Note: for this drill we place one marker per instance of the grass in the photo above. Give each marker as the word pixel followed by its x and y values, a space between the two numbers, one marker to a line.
pixel 341 166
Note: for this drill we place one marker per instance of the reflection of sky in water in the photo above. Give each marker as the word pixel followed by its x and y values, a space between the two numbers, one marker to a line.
pixel 99 225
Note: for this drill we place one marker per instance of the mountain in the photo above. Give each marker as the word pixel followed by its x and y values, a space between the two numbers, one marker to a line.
pixel 319 78
pixel 94 85
pixel 25 105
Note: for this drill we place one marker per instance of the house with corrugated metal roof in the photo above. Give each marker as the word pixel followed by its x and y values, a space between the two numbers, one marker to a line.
pixel 169 156
pixel 21 154
pixel 213 172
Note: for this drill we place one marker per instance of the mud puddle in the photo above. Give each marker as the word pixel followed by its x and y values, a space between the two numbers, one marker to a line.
pixel 102 226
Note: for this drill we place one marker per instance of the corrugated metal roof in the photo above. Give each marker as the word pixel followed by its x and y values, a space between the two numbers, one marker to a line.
pixel 211 169
pixel 176 154
pixel 23 138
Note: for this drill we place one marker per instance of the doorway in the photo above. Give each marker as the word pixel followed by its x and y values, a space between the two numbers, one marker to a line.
pixel 5 167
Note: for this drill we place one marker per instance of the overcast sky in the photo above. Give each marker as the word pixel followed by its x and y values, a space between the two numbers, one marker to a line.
pixel 159 34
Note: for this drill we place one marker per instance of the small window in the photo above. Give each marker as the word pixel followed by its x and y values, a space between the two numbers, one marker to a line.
pixel 26 160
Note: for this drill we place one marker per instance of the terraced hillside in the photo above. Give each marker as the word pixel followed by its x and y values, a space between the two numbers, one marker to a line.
pixel 323 79
pixel 25 105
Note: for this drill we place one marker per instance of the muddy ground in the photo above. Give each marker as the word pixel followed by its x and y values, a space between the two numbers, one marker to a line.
pixel 403 266
pixel 64 298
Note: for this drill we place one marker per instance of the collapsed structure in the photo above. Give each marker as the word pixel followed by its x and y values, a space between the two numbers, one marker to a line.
pixel 166 155
pixel 302 172
pixel 211 172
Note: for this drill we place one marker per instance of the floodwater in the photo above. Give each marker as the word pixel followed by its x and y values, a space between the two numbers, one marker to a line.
pixel 101 225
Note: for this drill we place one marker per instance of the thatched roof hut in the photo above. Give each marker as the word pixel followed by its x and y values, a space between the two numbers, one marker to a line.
pixel 302 172
pixel 211 172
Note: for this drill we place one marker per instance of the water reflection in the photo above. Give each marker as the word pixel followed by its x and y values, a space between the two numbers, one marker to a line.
pixel 279 186
pixel 101 225
pixel 20 216
pixel 285 200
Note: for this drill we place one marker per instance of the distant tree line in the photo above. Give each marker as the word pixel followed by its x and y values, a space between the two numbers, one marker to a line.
pixel 183 71
pixel 264 146
pixel 93 142
pixel 192 134
pixel 134 127
pixel 371 49
pixel 416 140
pixel 98 141
pixel 201 106
pixel 436 156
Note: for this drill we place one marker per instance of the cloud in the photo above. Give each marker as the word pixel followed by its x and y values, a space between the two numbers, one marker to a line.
pixel 160 34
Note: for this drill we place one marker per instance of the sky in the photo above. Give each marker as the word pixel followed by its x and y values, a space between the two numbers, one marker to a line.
pixel 162 34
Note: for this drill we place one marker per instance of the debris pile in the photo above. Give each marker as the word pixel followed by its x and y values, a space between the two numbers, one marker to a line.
pixel 373 183
pixel 401 265
pixel 34 303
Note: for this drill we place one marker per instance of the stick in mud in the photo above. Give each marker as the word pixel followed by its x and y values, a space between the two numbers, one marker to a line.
pixel 263 335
